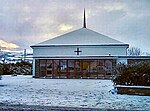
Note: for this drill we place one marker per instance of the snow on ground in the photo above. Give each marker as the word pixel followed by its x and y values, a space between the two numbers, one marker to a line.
pixel 67 92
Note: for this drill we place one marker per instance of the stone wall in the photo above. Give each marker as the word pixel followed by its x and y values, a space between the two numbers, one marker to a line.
pixel 142 91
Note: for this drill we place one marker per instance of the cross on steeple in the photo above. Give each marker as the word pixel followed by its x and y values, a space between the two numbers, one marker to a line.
pixel 78 51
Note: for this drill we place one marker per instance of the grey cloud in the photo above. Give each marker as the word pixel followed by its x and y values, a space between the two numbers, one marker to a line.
pixel 24 22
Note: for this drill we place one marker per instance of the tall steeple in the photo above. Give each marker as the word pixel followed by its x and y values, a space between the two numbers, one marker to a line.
pixel 84 21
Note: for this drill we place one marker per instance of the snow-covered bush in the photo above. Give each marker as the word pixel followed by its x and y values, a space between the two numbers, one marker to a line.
pixel 18 68
pixel 132 74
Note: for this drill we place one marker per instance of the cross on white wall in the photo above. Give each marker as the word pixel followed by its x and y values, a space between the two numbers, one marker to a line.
pixel 78 51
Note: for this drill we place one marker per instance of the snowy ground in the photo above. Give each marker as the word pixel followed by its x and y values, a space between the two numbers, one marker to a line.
pixel 67 92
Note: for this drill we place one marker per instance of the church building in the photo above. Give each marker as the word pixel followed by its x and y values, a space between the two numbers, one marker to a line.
pixel 82 53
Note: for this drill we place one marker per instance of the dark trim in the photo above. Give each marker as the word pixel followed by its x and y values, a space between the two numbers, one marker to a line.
pixel 93 57
pixel 134 57
pixel 78 57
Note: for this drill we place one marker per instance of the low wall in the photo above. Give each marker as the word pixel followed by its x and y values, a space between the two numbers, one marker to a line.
pixel 133 90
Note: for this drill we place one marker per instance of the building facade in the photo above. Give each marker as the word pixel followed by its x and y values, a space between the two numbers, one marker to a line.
pixel 82 53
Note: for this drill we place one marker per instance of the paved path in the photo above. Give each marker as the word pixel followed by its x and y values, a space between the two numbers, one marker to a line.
pixel 8 107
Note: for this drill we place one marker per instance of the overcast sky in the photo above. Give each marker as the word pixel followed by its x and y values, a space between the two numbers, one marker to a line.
pixel 27 22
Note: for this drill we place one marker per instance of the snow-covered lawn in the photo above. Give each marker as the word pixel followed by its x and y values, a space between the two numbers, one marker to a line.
pixel 67 92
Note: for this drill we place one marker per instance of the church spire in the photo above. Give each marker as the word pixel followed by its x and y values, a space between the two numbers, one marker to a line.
pixel 84 21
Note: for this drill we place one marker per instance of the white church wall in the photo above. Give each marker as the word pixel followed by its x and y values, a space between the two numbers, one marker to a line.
pixel 86 50
pixel 104 51
pixel 33 67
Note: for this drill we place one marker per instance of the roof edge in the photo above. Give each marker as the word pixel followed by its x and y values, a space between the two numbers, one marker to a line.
pixel 59 45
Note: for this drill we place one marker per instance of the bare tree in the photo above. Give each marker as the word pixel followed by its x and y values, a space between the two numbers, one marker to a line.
pixel 134 51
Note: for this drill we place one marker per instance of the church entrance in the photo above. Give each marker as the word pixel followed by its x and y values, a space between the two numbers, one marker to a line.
pixel 75 68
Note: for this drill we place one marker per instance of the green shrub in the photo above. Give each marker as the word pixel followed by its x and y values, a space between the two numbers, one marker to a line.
pixel 132 74
pixel 1 68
